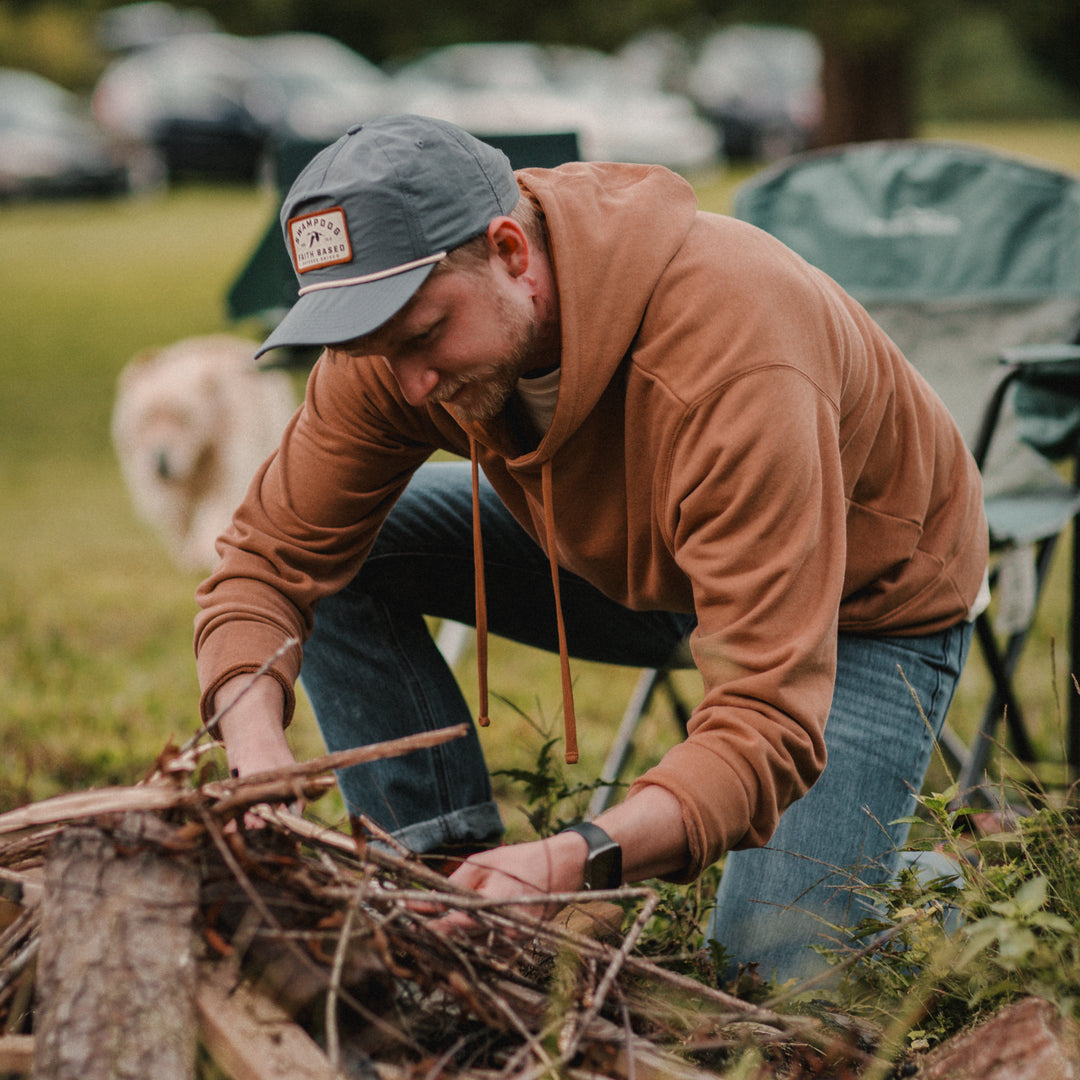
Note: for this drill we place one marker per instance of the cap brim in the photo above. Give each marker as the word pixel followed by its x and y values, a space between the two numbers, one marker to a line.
pixel 330 316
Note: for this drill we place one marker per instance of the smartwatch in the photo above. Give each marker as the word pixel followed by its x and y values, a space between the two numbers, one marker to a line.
pixel 603 864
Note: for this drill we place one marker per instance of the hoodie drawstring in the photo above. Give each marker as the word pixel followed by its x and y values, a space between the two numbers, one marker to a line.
pixel 480 592
pixel 569 718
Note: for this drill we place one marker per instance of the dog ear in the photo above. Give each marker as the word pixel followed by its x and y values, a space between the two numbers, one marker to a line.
pixel 137 365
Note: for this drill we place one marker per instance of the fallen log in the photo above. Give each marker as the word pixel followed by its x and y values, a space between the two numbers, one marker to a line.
pixel 1027 1040
pixel 116 974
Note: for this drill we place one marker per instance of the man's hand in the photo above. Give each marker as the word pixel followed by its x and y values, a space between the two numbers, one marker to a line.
pixel 253 728
pixel 554 865
pixel 648 828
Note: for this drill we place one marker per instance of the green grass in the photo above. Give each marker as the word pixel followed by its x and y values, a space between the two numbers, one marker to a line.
pixel 95 648
pixel 96 669
pixel 944 953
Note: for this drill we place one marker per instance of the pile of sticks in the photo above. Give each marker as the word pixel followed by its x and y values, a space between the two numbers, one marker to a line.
pixel 145 928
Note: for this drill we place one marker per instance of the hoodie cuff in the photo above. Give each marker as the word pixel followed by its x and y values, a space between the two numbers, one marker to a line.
pixel 239 648
pixel 207 704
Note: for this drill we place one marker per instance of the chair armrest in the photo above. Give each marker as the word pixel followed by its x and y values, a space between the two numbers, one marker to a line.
pixel 1047 401
pixel 1053 366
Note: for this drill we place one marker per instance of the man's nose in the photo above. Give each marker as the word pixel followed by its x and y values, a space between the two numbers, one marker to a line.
pixel 415 377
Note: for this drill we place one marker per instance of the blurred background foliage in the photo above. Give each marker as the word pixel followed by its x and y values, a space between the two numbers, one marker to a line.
pixel 889 64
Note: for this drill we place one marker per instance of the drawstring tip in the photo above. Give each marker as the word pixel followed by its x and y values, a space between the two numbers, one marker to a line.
pixel 571 757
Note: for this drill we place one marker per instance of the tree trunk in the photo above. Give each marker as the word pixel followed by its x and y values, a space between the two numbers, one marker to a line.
pixel 116 971
pixel 868 93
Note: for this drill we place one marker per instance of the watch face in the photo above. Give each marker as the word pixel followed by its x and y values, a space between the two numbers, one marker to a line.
pixel 603 868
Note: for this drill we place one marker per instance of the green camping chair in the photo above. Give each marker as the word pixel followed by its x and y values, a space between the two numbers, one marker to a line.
pixel 971 262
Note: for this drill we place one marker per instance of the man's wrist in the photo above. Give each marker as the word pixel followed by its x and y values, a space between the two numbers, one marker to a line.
pixel 251 727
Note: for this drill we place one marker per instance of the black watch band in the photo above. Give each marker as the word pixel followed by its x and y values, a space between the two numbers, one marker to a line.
pixel 603 864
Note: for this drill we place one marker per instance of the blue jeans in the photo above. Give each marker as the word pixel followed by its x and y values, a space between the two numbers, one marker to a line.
pixel 372 672
pixel 806 886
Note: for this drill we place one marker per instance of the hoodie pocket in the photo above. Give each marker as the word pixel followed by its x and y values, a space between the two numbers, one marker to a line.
pixel 879 548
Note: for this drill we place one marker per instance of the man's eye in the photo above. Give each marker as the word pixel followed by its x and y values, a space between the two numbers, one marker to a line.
pixel 426 336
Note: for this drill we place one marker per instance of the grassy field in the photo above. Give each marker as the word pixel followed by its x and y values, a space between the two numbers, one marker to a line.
pixel 96 669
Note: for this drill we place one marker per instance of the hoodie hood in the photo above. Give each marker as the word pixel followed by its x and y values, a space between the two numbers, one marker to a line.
pixel 612 230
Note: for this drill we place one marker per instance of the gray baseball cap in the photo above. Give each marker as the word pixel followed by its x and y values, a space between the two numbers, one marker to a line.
pixel 368 218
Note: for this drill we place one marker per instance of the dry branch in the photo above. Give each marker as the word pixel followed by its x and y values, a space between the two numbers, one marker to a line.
pixel 16 1053
pixel 304 780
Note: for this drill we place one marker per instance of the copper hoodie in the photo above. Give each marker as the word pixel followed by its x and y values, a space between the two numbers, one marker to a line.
pixel 733 437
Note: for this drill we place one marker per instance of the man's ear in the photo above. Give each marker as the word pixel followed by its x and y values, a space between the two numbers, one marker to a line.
pixel 509 243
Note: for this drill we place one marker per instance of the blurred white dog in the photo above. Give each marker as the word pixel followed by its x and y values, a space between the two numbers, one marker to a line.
pixel 191 424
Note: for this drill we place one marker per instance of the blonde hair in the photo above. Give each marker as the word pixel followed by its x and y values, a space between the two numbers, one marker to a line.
pixel 474 253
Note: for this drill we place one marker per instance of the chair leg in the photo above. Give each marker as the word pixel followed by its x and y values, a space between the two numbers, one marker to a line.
pixel 1072 742
pixel 678 707
pixel 1003 705
pixel 954 748
pixel 623 745
pixel 649 681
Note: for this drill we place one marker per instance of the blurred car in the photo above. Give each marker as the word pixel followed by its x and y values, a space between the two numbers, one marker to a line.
pixel 658 58
pixel 521 87
pixel 146 22
pixel 197 99
pixel 323 87
pixel 50 146
pixel 635 121
pixel 215 106
pixel 761 86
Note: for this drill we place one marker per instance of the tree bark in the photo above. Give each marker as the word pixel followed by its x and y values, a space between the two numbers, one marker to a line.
pixel 1028 1040
pixel 116 971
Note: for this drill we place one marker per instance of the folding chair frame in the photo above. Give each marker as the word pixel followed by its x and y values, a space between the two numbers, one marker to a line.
pixel 622 748
pixel 1002 658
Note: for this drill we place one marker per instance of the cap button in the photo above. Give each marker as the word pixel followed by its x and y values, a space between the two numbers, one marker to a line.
pixel 354 129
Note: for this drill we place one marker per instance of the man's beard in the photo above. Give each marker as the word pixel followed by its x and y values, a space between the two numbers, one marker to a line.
pixel 489 390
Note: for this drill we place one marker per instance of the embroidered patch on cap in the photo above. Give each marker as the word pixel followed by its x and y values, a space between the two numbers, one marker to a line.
pixel 319 239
